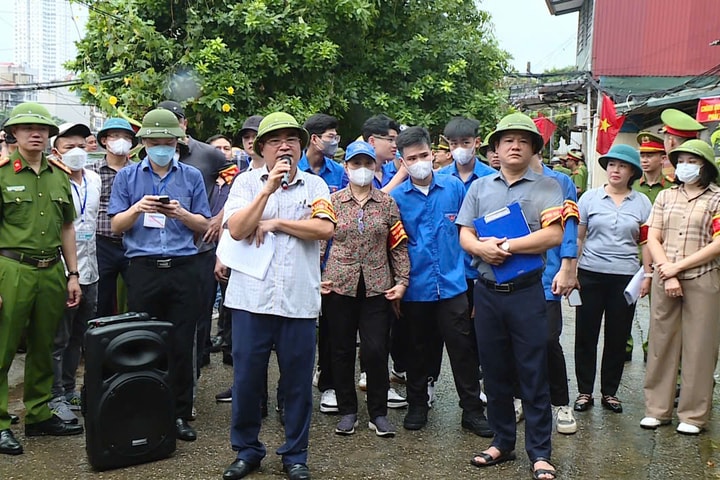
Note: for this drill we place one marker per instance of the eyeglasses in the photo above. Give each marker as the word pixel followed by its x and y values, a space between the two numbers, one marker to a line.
pixel 331 138
pixel 277 142
pixel 391 140
pixel 361 224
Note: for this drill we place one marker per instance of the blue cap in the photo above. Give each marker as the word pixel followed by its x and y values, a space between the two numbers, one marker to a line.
pixel 359 148
pixel 624 153
pixel 116 124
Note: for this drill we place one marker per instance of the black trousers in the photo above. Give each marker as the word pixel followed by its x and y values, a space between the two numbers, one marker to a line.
pixel 325 382
pixel 511 333
pixel 446 319
pixel 557 370
pixel 111 263
pixel 171 294
pixel 371 316
pixel 207 286
pixel 601 294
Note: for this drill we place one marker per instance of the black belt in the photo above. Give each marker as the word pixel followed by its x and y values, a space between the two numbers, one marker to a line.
pixel 115 240
pixel 519 284
pixel 159 262
pixel 26 259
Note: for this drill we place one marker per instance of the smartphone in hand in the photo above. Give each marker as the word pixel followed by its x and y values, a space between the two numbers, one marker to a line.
pixel 164 199
pixel 574 299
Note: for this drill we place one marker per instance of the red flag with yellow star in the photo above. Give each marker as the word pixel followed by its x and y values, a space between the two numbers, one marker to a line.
pixel 610 125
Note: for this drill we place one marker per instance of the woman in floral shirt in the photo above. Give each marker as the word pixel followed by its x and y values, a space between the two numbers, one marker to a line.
pixel 366 271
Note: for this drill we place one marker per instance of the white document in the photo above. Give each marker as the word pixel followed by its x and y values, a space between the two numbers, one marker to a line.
pixel 632 291
pixel 246 257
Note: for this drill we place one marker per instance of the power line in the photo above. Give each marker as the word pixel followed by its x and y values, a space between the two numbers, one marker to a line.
pixel 28 87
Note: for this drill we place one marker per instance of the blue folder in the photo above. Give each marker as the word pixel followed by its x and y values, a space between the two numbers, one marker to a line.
pixel 509 222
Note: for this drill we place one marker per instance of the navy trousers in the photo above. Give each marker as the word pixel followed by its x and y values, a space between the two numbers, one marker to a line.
pixel 111 262
pixel 512 342
pixel 294 340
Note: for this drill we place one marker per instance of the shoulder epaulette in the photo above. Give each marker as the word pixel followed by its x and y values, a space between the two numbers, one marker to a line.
pixel 54 161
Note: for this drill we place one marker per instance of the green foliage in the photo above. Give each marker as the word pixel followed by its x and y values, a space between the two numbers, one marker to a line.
pixel 420 61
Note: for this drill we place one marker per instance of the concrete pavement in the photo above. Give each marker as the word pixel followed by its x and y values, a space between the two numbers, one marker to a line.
pixel 607 445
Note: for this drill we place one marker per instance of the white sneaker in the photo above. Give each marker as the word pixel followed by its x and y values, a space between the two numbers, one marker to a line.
pixel 519 414
pixel 362 383
pixel 328 402
pixel 395 400
pixel 565 422
pixel 61 409
pixel 651 423
pixel 316 377
pixel 687 429
pixel 431 392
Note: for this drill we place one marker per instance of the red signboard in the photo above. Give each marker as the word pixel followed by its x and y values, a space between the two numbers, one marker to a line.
pixel 708 110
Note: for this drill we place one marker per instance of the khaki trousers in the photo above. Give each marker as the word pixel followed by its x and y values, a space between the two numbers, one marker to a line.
pixel 684 327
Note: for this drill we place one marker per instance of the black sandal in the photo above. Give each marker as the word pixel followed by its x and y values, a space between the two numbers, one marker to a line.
pixel 583 402
pixel 543 471
pixel 490 461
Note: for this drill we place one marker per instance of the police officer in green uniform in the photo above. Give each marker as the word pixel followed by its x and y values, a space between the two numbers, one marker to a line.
pixel 36 226
pixel 557 166
pixel 678 127
pixel 575 162
pixel 652 182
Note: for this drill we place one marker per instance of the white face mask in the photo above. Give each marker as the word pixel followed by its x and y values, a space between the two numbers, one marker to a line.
pixel 463 156
pixel 176 157
pixel 75 159
pixel 360 176
pixel 688 172
pixel 420 170
pixel 119 146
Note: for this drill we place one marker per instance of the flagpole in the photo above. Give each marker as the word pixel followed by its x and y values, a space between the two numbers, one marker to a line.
pixel 590 150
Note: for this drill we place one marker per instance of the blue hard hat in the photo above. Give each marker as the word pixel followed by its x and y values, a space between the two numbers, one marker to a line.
pixel 116 124
pixel 359 148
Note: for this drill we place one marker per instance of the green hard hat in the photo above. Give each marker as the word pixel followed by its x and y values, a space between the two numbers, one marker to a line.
pixel 279 121
pixel 30 113
pixel 160 123
pixel 699 148
pixel 624 153
pixel 680 123
pixel 517 121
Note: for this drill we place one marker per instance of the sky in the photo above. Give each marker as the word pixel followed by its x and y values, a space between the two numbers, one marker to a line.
pixel 526 30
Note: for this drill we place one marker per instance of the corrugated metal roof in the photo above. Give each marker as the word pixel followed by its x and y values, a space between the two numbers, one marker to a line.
pixel 655 37
pixel 561 7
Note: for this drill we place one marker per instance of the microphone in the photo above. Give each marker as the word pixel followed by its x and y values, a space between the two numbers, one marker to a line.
pixel 285 182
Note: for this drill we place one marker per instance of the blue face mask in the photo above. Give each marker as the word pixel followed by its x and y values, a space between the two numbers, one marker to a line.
pixel 161 155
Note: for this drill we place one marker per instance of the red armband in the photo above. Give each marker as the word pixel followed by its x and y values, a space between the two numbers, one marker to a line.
pixel 397 235
pixel 322 208
pixel 550 216
pixel 715 226
pixel 570 209
pixel 228 174
pixel 643 234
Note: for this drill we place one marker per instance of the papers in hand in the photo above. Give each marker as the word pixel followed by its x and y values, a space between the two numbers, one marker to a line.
pixel 632 291
pixel 246 257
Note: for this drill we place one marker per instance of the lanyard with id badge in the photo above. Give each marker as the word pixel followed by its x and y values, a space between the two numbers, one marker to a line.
pixel 84 232
pixel 157 220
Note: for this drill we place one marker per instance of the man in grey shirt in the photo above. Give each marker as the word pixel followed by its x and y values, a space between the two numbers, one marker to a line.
pixel 510 318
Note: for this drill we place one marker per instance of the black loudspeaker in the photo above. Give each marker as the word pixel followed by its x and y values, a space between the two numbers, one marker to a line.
pixel 127 401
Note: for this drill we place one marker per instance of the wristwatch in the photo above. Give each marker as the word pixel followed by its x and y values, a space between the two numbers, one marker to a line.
pixel 73 274
pixel 505 246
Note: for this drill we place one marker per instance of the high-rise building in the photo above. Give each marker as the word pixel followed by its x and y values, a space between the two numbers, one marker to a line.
pixel 45 36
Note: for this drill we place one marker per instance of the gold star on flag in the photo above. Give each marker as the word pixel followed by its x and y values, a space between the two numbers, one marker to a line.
pixel 604 125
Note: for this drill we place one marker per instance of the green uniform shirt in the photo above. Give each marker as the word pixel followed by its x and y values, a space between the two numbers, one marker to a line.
pixel 561 169
pixel 580 178
pixel 652 191
pixel 34 207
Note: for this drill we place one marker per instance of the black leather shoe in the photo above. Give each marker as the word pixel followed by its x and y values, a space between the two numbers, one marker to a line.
pixel 583 402
pixel 611 403
pixel 184 431
pixel 8 444
pixel 239 469
pixel 216 344
pixel 14 419
pixel 297 471
pixel 477 423
pixel 416 418
pixel 53 426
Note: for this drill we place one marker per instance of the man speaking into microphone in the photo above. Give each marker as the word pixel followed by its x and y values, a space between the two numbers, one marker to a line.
pixel 291 209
